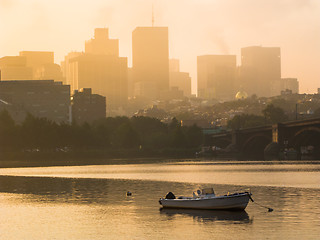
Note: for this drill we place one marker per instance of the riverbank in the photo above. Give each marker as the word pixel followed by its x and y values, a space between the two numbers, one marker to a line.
pixel 115 157
pixel 90 157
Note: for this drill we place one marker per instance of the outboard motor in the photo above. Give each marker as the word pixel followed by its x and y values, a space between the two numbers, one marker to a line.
pixel 170 195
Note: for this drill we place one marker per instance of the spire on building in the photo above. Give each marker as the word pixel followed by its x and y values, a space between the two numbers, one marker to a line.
pixel 152 20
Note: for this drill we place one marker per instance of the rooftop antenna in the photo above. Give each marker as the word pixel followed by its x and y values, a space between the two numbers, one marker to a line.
pixel 152 16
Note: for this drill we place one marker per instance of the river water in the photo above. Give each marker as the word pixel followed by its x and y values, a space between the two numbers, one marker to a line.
pixel 90 202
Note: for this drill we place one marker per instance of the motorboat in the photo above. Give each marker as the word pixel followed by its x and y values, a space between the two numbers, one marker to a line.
pixel 206 199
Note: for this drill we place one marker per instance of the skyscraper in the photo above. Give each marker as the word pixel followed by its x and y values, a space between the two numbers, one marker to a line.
pixel 30 65
pixel 102 44
pixel 42 64
pixel 15 68
pixel 216 76
pixel 150 61
pixel 290 84
pixel 100 68
pixel 38 58
pixel 260 71
pixel 177 79
pixel 105 74
pixel 67 71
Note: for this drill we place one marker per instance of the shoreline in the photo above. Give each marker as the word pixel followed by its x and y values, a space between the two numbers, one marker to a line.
pixel 25 160
pixel 82 158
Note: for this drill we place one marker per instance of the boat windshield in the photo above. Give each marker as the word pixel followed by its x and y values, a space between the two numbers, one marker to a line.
pixel 207 191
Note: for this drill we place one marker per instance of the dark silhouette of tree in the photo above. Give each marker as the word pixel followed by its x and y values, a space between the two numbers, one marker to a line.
pixel 152 132
pixel 143 133
pixel 246 121
pixel 178 138
pixel 8 131
pixel 274 114
pixel 174 124
pixel 126 136
pixel 194 136
pixel 102 136
pixel 110 127
pixel 65 135
pixel 39 133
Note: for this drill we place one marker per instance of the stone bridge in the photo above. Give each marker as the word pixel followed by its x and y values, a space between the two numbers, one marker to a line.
pixel 302 137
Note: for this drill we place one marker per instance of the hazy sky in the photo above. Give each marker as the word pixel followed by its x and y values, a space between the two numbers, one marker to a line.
pixel 196 27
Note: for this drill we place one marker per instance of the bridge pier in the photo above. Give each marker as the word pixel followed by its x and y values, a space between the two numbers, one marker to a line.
pixel 274 148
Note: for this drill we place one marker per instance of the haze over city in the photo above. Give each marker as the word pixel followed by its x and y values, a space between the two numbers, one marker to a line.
pixel 159 119
pixel 195 28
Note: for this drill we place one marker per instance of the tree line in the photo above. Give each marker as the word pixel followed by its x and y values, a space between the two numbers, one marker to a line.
pixel 118 133
pixel 270 115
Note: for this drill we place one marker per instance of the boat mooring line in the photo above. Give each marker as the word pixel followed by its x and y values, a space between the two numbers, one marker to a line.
pixel 269 209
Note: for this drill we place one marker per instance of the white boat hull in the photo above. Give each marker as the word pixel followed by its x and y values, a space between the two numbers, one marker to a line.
pixel 231 202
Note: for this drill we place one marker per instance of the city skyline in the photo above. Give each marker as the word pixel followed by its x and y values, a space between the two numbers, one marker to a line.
pixel 202 28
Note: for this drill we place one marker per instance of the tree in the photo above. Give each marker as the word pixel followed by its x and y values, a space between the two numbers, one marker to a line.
pixel 178 138
pixel 127 137
pixel 274 114
pixel 152 132
pixel 194 136
pixel 39 133
pixel 246 121
pixel 8 139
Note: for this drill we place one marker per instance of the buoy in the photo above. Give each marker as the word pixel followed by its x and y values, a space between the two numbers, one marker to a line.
pixel 129 193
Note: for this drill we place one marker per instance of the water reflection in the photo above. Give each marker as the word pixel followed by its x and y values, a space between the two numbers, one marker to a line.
pixel 94 207
pixel 208 215
pixel 57 189
pixel 250 174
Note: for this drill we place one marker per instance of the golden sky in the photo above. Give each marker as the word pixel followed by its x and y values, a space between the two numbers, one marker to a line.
pixel 196 27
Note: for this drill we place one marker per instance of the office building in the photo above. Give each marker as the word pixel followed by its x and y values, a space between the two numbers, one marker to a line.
pixel 42 64
pixel 99 68
pixel 290 84
pixel 102 44
pixel 41 98
pixel 150 62
pixel 67 71
pixel 15 68
pixel 48 72
pixel 260 71
pixel 87 107
pixel 177 79
pixel 216 76
pixel 104 74
pixel 174 65
pixel 37 58
pixel 130 84
pixel 30 65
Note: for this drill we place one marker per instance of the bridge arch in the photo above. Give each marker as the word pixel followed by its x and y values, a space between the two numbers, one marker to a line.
pixel 255 145
pixel 307 137
pixel 221 142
